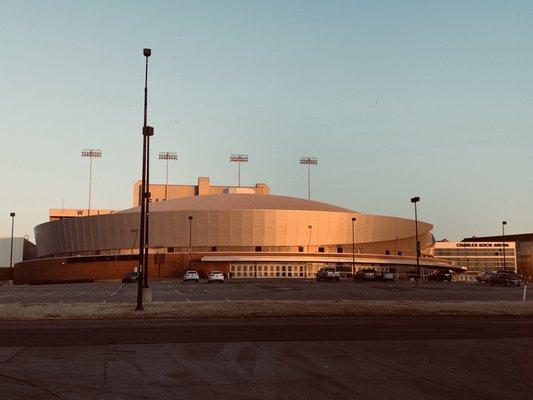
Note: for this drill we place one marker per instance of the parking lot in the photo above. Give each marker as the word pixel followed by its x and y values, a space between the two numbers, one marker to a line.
pixel 257 289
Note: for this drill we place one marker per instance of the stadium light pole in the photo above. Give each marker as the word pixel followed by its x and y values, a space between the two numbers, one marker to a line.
pixel 239 158
pixel 167 155
pixel 91 153
pixel 353 245
pixel 12 215
pixel 308 161
pixel 147 131
pixel 415 200
pixel 503 245
pixel 190 240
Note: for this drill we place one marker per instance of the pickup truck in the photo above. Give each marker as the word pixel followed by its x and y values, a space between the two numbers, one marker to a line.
pixel 328 275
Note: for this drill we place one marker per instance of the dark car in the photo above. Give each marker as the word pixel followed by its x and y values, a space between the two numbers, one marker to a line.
pixel 505 279
pixel 131 277
pixel 365 275
pixel 440 276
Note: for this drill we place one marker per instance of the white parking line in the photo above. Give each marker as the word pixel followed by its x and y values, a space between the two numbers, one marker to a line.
pixel 80 294
pixel 208 291
pixel 228 299
pixel 114 293
pixel 187 300
pixel 181 294
pixel 48 294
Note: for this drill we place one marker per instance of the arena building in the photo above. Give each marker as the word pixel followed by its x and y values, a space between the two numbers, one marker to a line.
pixel 242 234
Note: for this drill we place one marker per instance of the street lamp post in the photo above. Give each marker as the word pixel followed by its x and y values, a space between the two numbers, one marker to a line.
pixel 239 158
pixel 308 161
pixel 503 245
pixel 353 245
pixel 190 240
pixel 167 155
pixel 91 153
pixel 12 215
pixel 147 131
pixel 415 200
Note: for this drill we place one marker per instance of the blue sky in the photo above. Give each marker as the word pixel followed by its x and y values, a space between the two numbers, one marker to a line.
pixel 394 98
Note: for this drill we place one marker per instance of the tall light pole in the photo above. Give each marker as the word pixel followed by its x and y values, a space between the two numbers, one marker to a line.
pixel 503 244
pixel 308 161
pixel 167 155
pixel 12 215
pixel 147 131
pixel 353 245
pixel 91 153
pixel 415 200
pixel 190 240
pixel 239 158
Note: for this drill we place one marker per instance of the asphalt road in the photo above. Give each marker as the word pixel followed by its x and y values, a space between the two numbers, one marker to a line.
pixel 263 289
pixel 339 358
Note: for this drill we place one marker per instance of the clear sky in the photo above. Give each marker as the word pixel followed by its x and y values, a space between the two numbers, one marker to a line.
pixel 395 98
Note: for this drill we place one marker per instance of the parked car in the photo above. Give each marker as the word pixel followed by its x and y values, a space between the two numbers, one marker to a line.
pixel 131 277
pixel 191 276
pixel 365 275
pixel 386 277
pixel 484 276
pixel 505 279
pixel 215 276
pixel 440 276
pixel 328 275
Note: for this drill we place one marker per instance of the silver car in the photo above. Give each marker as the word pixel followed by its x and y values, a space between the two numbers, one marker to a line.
pixel 215 276
pixel 191 276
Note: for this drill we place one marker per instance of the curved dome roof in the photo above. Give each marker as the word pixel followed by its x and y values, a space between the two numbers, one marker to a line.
pixel 240 202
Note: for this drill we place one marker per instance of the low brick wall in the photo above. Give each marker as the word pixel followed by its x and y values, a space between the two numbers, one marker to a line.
pixel 64 269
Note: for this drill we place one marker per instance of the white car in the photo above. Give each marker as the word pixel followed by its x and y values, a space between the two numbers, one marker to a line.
pixel 191 276
pixel 215 276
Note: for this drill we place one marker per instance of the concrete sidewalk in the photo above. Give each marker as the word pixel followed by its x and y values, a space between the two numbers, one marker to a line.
pixel 264 309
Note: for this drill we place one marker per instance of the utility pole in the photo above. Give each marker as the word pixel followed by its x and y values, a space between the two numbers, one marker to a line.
pixel 415 200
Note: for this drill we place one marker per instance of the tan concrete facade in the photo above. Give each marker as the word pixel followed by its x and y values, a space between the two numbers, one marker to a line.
pixel 204 187
pixel 234 222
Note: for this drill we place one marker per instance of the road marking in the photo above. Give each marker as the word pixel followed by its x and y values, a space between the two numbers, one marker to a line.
pixel 48 294
pixel 103 301
pixel 61 302
pixel 187 300
pixel 235 290
pixel 80 294
pixel 208 291
pixel 228 299
pixel 114 293
pixel 181 294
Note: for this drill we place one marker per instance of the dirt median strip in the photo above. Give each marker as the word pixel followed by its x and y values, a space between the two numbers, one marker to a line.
pixel 265 309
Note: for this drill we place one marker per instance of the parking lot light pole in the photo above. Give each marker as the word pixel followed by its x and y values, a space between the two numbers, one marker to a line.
pixel 12 215
pixel 415 200
pixel 503 245
pixel 190 240
pixel 353 245
pixel 143 236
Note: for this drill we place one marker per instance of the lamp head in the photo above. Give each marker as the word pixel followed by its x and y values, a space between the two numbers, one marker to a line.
pixel 190 217
pixel 354 219
pixel 504 222
pixel 147 52
pixel 415 199
pixel 12 214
